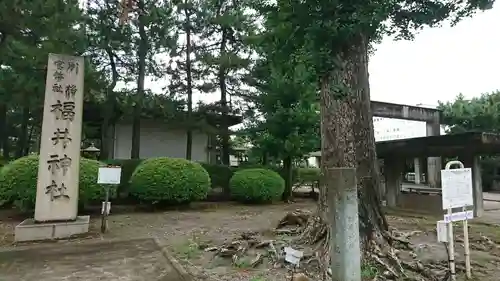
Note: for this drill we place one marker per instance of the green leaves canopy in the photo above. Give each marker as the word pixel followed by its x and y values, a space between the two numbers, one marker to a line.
pixel 476 114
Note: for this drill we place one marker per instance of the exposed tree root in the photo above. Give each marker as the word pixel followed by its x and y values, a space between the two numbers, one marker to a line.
pixel 390 254
pixel 381 252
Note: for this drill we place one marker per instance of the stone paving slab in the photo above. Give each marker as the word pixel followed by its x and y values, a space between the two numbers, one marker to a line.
pixel 129 260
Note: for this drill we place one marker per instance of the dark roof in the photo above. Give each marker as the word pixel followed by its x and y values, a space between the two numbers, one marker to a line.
pixel 478 143
pixel 446 145
pixel 93 115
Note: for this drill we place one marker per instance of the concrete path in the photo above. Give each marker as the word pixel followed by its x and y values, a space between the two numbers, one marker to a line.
pixel 491 196
pixel 130 260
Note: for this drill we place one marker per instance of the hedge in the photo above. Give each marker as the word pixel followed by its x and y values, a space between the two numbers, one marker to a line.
pixel 308 175
pixel 256 185
pixel 169 180
pixel 128 167
pixel 219 175
pixel 18 182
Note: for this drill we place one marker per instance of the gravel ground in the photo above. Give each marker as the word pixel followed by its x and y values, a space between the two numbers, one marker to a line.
pixel 185 231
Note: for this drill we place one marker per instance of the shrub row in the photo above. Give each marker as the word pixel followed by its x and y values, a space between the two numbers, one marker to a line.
pixel 154 181
pixel 220 175
pixel 18 181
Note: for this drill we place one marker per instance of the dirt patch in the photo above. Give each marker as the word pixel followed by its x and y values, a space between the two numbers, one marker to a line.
pixel 130 260
pixel 189 233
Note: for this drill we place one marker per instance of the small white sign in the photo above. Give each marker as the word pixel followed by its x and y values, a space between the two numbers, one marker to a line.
pixel 459 216
pixel 457 188
pixel 442 231
pixel 293 256
pixel 109 175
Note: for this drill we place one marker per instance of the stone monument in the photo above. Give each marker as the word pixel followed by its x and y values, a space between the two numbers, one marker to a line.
pixel 56 207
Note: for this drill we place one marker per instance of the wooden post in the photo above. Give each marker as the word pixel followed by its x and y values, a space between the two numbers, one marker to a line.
pixel 342 198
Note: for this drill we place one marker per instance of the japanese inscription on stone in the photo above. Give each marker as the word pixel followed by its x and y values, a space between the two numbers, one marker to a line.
pixel 58 172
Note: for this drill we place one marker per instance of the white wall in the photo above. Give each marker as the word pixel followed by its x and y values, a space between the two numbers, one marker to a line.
pixel 158 141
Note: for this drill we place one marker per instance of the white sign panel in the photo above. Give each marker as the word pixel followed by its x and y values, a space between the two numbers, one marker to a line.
pixel 109 175
pixel 442 231
pixel 457 188
pixel 293 256
pixel 460 216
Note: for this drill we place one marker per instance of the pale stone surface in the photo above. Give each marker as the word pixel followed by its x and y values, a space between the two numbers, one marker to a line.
pixel 393 180
pixel 129 260
pixel 342 199
pixel 58 172
pixel 28 230
pixel 418 172
pixel 434 163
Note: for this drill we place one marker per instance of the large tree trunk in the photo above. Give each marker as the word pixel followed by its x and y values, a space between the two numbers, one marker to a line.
pixel 225 149
pixel 347 140
pixel 189 78
pixel 23 142
pixel 108 110
pixel 142 53
pixel 287 172
pixel 368 173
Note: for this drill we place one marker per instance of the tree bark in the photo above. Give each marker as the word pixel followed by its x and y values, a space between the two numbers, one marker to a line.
pixel 225 151
pixel 23 134
pixel 347 140
pixel 287 169
pixel 108 109
pixel 142 53
pixel 264 159
pixel 189 78
pixel 372 219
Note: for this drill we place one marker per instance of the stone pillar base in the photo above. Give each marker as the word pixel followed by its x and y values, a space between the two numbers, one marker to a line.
pixel 28 230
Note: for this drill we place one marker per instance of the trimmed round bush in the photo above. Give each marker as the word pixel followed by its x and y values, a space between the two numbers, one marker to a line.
pixel 256 185
pixel 169 180
pixel 18 181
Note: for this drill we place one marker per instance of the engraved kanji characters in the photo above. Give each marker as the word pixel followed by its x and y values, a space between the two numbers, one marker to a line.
pixel 70 91
pixel 56 191
pixel 72 66
pixel 64 111
pixel 61 135
pixel 57 88
pixel 55 163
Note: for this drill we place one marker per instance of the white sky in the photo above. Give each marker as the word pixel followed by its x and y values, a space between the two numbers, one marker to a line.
pixel 440 63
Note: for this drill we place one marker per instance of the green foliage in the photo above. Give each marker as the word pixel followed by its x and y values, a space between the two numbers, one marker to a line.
pixel 128 167
pixel 472 115
pixel 309 175
pixel 480 114
pixel 369 271
pixel 18 182
pixel 219 175
pixel 169 180
pixel 256 185
pixel 3 162
pixel 288 121
pixel 322 34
